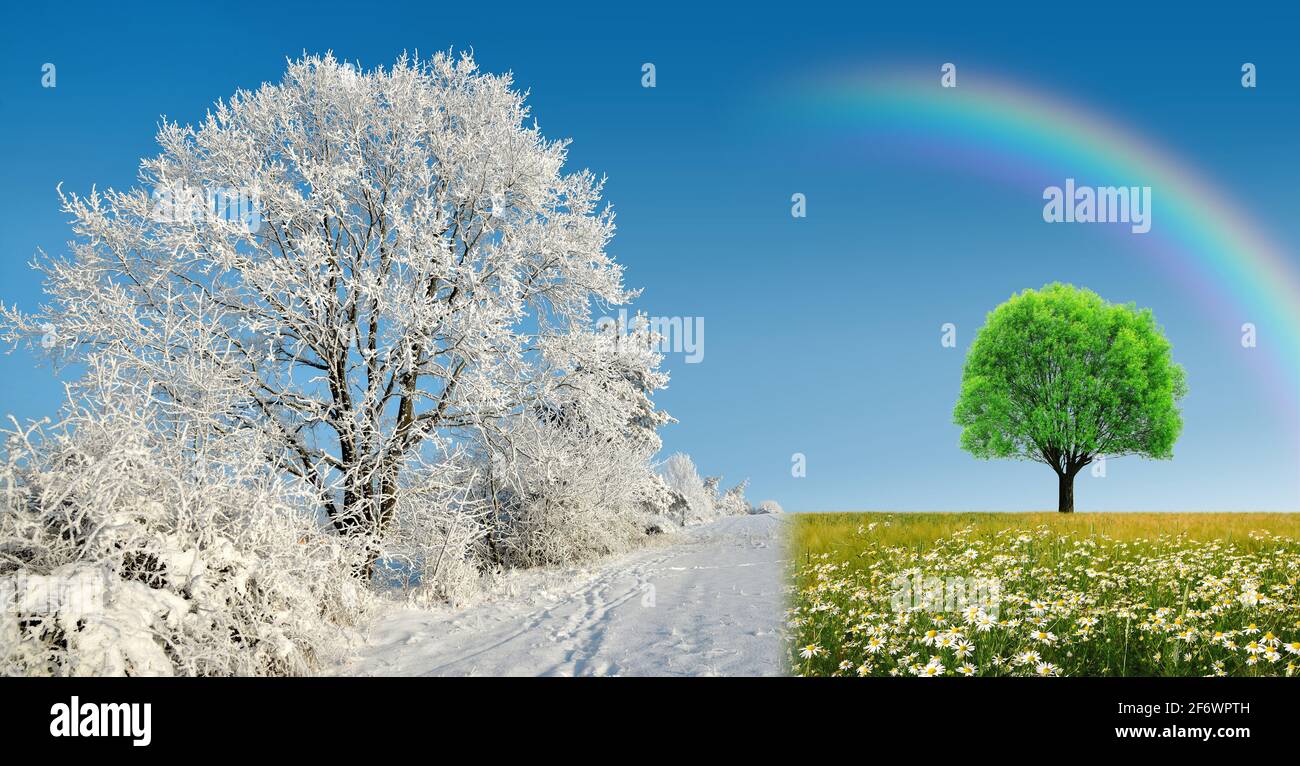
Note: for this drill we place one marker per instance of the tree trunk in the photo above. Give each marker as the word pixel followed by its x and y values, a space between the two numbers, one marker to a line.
pixel 360 516
pixel 1065 496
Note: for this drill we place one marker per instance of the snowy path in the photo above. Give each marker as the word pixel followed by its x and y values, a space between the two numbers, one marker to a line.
pixel 706 603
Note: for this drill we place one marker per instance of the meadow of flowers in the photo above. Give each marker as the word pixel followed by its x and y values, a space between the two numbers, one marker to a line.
pixel 1045 595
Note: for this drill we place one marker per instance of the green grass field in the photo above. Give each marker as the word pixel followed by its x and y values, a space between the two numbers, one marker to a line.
pixel 1045 594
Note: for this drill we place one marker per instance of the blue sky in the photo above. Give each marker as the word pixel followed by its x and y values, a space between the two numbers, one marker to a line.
pixel 822 333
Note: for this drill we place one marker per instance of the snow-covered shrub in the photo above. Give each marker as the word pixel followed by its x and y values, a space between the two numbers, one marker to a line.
pixel 681 477
pixel 571 478
pixel 129 550
pixel 562 497
pixel 713 487
pixel 432 546
pixel 655 502
pixel 700 500
pixel 733 501
pixel 768 506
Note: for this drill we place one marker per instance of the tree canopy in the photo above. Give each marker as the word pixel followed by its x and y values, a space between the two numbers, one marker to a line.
pixel 1061 376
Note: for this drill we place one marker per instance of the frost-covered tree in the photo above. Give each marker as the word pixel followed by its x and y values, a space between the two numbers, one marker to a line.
pixel 682 478
pixel 409 269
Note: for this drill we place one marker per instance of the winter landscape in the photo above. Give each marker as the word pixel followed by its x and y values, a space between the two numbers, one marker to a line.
pixel 382 381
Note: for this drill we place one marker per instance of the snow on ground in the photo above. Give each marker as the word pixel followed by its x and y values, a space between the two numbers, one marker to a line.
pixel 707 601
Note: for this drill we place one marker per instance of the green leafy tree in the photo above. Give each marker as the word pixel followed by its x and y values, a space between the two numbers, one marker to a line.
pixel 1061 376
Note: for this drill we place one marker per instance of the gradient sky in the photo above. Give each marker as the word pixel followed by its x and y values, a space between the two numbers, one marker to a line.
pixel 822 333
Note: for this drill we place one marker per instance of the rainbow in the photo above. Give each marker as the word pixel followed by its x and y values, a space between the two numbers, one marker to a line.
pixel 1202 238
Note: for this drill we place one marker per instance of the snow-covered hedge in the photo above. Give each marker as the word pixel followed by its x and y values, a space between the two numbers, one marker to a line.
pixel 700 500
pixel 124 551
